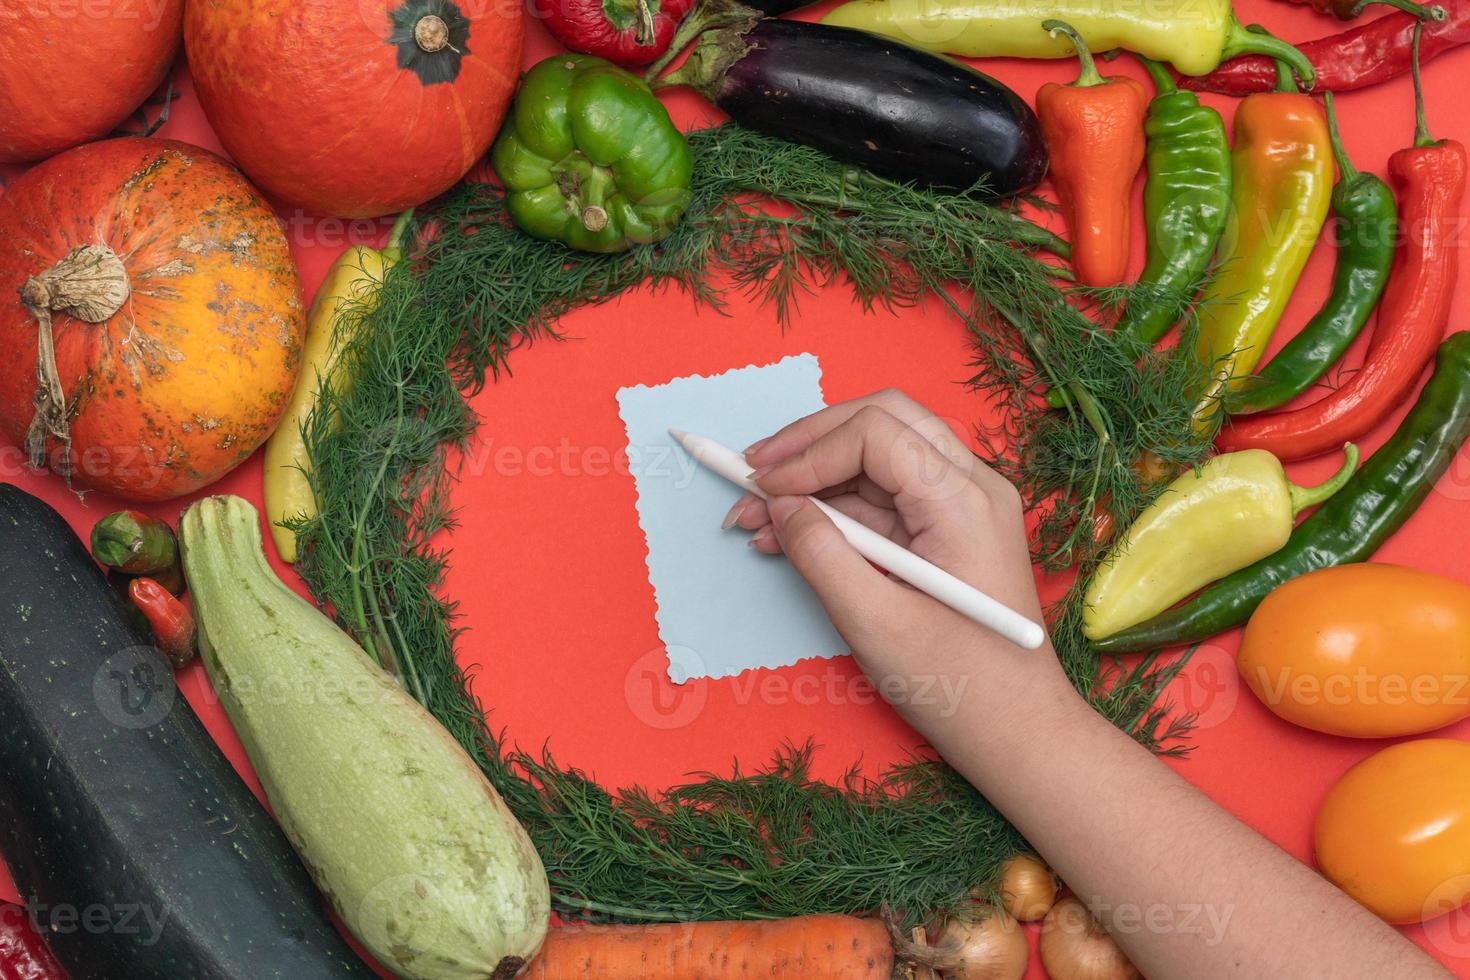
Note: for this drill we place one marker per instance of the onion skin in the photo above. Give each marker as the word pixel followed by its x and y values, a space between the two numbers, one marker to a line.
pixel 1074 946
pixel 993 948
pixel 987 944
pixel 1028 889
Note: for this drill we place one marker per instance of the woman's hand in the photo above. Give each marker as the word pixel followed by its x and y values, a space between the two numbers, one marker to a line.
pixel 1131 839
pixel 890 463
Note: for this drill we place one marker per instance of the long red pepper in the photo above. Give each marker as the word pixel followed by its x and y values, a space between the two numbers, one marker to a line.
pixel 1430 180
pixel 1377 51
pixel 1350 9
pixel 23 954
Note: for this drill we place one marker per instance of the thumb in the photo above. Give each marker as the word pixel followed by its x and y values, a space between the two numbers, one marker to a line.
pixel 862 602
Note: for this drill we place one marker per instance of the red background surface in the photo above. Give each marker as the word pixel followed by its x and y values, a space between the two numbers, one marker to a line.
pixel 549 560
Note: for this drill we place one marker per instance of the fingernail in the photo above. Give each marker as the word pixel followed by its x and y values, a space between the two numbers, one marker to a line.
pixel 762 471
pixel 782 508
pixel 756 539
pixel 732 517
pixel 755 447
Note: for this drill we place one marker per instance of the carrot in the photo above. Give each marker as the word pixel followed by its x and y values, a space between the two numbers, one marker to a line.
pixel 811 947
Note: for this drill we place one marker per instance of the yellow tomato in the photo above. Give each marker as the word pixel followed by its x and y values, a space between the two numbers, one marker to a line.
pixel 1371 651
pixel 1394 833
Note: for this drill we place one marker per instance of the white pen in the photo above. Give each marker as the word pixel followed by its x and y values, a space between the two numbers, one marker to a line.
pixel 922 575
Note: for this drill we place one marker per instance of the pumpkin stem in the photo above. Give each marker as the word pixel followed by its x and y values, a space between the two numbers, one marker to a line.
pixel 91 284
pixel 431 34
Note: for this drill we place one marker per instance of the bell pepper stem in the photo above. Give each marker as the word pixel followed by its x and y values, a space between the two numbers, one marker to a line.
pixel 645 31
pixel 1304 497
pixel 1421 126
pixel 1345 170
pixel 1256 40
pixel 393 251
pixel 1088 75
pixel 1422 11
pixel 1163 81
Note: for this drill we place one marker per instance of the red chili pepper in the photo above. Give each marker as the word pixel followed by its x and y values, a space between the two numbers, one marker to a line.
pixel 23 953
pixel 170 619
pixel 625 32
pixel 1430 179
pixel 1350 9
pixel 1363 56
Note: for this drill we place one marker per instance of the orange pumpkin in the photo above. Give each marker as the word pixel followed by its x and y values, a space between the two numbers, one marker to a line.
pixel 72 70
pixel 355 108
pixel 152 289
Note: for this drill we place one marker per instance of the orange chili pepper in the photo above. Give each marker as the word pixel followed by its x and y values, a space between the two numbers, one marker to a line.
pixel 1094 131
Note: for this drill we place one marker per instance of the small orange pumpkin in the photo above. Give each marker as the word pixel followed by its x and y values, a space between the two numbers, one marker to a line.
pixel 157 292
pixel 71 71
pixel 354 108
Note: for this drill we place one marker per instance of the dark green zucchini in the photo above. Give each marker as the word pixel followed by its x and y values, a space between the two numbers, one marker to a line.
pixel 139 849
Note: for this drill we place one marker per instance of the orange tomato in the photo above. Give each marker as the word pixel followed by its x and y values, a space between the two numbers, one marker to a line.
pixel 1371 651
pixel 1394 832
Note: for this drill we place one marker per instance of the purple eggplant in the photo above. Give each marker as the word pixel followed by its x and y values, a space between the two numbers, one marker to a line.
pixel 866 100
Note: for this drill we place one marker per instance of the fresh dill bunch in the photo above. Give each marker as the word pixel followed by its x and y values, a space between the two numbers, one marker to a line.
pixel 775 221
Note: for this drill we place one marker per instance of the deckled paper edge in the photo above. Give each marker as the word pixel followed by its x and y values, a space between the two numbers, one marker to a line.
pixel 647 552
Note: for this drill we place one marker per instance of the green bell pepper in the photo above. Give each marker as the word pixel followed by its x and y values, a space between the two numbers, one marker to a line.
pixel 589 157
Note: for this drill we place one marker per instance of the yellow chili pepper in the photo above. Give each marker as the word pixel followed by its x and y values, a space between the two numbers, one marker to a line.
pixel 351 283
pixel 1234 510
pixel 1282 166
pixel 1192 35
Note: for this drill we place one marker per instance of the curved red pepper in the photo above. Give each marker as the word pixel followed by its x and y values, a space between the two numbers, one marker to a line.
pixel 626 32
pixel 1429 178
pixel 1377 51
pixel 1352 9
pixel 171 621
pixel 23 953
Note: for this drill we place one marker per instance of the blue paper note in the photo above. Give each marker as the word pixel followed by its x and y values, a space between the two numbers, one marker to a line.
pixel 722 607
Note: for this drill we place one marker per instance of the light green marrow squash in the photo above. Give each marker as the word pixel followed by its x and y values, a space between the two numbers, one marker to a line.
pixel 413 847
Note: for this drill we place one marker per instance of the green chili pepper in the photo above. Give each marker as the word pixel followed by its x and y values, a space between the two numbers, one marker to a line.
pixel 1185 203
pixel 589 157
pixel 1348 528
pixel 1367 223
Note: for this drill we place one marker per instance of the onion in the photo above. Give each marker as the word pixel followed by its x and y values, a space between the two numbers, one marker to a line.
pixel 989 946
pixel 1028 889
pixel 1074 946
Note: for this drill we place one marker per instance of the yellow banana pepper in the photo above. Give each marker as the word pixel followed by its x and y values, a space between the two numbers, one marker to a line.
pixel 1192 35
pixel 1282 167
pixel 1234 510
pixel 352 281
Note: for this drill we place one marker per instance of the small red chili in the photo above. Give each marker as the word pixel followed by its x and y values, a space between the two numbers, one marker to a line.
pixel 171 621
pixel 23 953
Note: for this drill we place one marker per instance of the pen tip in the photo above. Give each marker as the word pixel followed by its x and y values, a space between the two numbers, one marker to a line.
pixel 678 434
